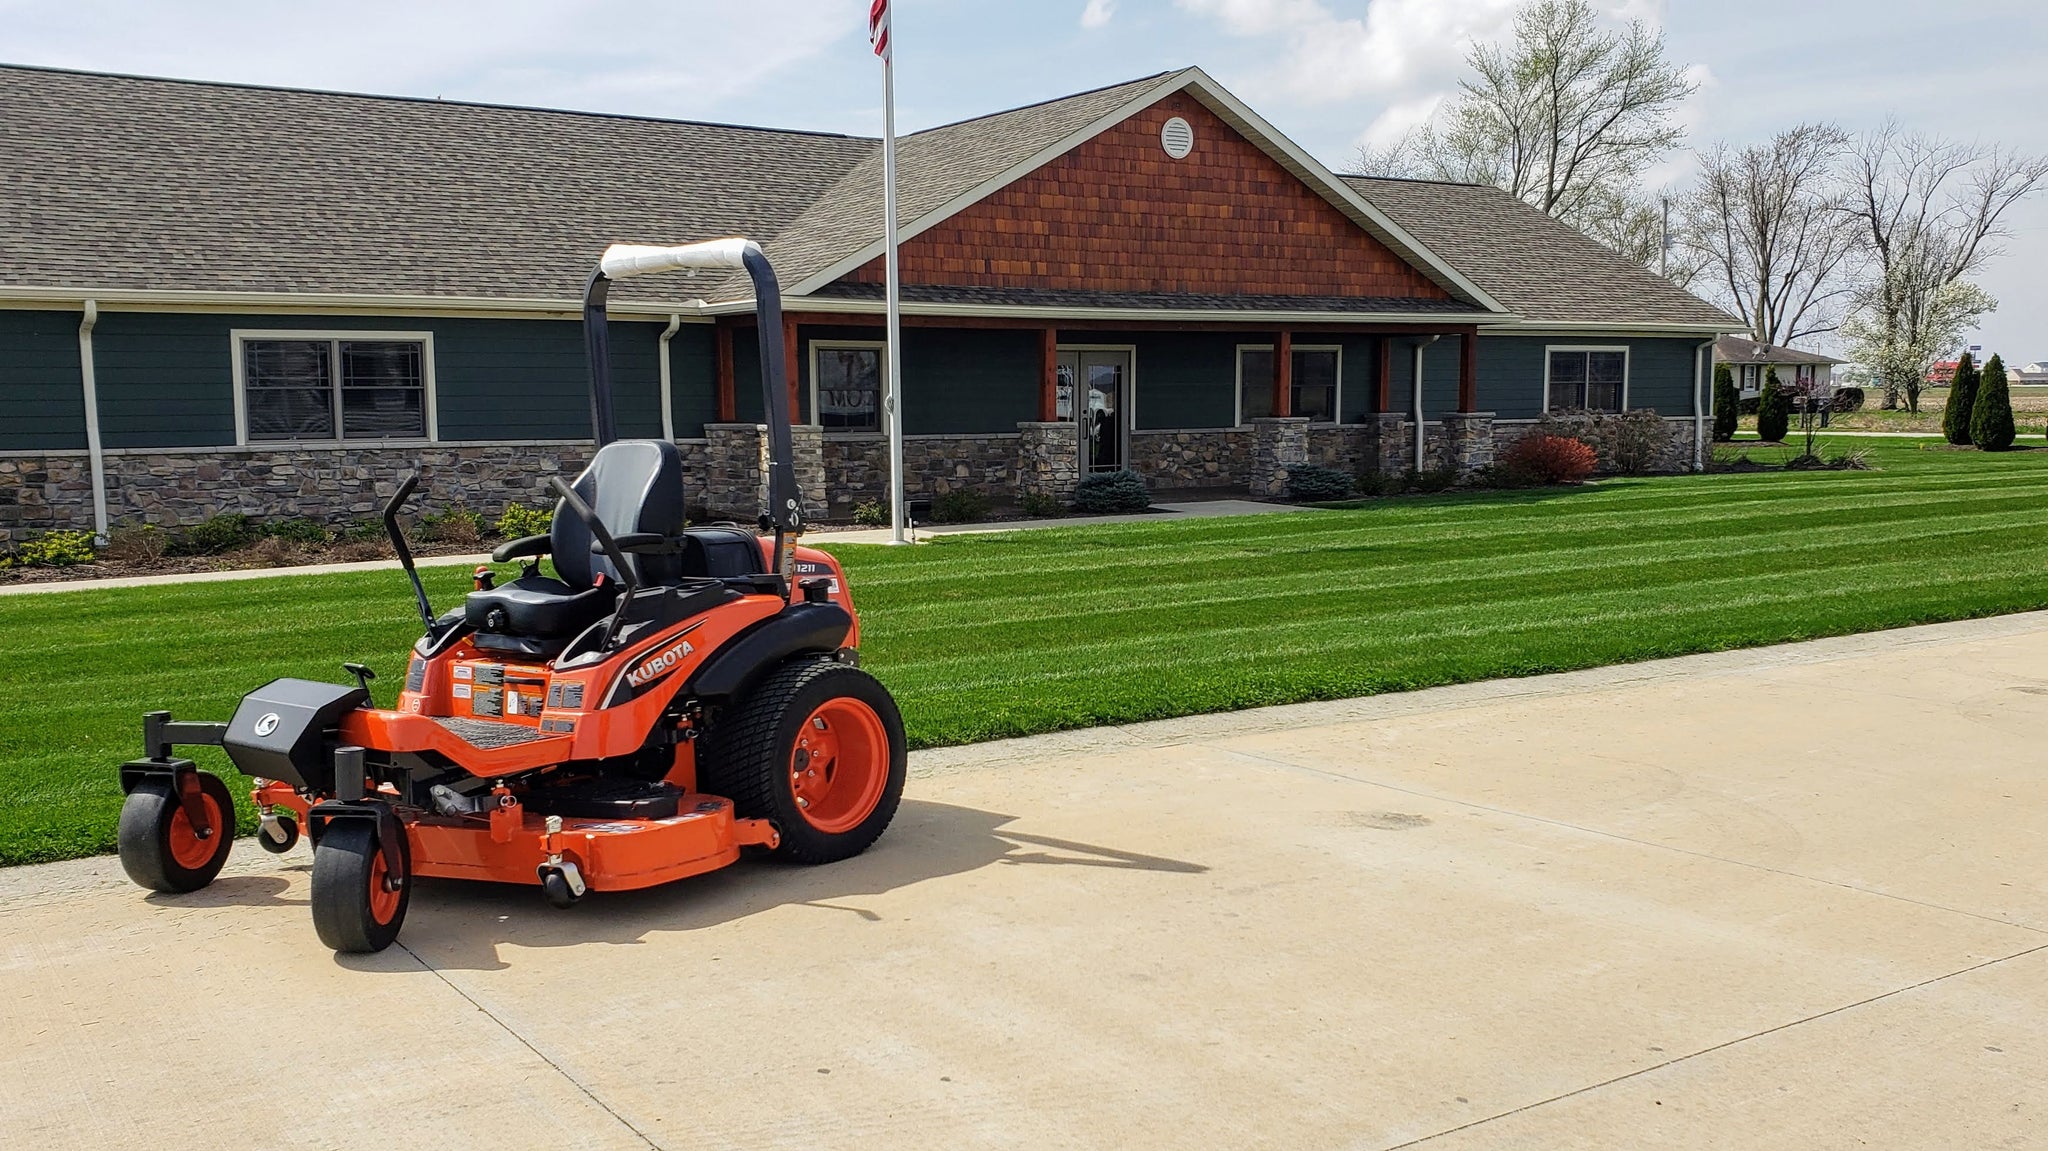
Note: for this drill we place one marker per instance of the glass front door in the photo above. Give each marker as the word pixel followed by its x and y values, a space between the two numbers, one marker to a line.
pixel 1094 388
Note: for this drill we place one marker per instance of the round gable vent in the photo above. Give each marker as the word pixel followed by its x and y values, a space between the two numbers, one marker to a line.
pixel 1177 138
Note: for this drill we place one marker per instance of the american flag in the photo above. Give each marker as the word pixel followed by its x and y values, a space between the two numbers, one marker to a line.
pixel 878 27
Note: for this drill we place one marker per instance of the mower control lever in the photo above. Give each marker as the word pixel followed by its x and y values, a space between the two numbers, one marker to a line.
pixel 363 675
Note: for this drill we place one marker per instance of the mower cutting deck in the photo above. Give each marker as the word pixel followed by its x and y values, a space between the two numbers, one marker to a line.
pixel 670 695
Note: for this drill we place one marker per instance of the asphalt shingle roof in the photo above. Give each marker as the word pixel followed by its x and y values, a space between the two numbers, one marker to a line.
pixel 1735 349
pixel 118 182
pixel 1537 267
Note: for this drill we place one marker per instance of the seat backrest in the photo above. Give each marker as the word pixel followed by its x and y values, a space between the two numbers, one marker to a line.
pixel 633 486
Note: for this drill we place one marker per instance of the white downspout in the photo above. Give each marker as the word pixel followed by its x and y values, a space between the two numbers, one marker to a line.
pixel 1700 366
pixel 89 384
pixel 668 404
pixel 1421 434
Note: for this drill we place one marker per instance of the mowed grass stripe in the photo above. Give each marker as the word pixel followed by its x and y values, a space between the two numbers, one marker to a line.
pixel 1032 631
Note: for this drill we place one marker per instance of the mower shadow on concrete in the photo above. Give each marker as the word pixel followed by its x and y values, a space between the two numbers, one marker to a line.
pixel 469 921
pixel 237 891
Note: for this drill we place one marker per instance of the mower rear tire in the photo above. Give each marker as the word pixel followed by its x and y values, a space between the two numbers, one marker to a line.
pixel 817 749
pixel 354 909
pixel 160 849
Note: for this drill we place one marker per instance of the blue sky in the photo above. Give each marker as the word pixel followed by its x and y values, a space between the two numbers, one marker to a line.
pixel 1329 73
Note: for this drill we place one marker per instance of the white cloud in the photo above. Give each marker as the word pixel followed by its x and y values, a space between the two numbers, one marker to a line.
pixel 643 57
pixel 1406 54
pixel 1097 13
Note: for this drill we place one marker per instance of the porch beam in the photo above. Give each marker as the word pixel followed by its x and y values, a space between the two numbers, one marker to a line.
pixel 1468 370
pixel 728 406
pixel 789 364
pixel 996 323
pixel 1283 373
pixel 1049 375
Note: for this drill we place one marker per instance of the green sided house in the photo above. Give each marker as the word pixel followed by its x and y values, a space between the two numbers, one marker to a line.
pixel 223 298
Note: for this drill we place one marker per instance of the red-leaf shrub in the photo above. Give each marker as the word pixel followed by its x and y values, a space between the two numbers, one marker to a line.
pixel 1548 459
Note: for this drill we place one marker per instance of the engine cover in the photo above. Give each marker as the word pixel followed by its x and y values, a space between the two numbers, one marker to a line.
pixel 285 730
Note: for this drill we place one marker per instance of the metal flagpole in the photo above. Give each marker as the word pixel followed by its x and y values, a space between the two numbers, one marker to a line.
pixel 893 361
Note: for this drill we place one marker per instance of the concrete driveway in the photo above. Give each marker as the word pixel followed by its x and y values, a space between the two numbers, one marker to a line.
pixel 1791 898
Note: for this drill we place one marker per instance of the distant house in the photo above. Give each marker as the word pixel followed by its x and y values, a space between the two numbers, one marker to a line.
pixel 2035 373
pixel 1942 374
pixel 1749 361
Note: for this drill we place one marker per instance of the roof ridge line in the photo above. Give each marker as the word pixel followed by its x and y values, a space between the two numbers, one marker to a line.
pixel 434 100
pixel 1052 100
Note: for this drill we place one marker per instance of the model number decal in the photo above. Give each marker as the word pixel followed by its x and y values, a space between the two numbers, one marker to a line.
pixel 659 664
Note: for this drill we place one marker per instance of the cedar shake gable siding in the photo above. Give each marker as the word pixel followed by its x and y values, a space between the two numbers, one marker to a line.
pixel 1117 214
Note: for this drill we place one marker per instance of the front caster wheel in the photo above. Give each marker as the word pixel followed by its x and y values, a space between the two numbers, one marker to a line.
pixel 358 904
pixel 555 886
pixel 161 849
pixel 278 835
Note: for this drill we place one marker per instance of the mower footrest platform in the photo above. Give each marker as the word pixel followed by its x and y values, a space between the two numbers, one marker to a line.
pixel 487 732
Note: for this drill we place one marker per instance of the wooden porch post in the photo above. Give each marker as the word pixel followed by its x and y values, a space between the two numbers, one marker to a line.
pixel 1383 395
pixel 1468 370
pixel 1283 373
pixel 728 407
pixel 789 364
pixel 1049 375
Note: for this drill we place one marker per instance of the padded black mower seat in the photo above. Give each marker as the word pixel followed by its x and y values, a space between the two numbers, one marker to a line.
pixel 633 486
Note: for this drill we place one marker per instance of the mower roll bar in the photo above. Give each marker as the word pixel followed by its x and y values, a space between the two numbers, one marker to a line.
pixel 391 508
pixel 785 509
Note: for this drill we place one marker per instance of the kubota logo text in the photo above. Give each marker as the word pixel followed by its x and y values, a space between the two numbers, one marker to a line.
pixel 659 665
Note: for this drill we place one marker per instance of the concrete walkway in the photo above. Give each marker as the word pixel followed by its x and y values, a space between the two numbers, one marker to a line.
pixel 1788 898
pixel 1195 509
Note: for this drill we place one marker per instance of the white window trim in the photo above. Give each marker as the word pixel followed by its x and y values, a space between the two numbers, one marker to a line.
pixel 881 381
pixel 1237 396
pixel 1625 367
pixel 239 336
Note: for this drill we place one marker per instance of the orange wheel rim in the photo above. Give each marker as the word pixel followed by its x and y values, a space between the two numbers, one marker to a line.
pixel 840 765
pixel 383 900
pixel 187 849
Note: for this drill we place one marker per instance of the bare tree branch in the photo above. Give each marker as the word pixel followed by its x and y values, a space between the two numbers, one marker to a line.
pixel 1770 221
pixel 1928 212
pixel 1566 116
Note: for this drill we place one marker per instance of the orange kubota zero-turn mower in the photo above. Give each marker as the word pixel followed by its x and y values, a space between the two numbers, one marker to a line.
pixel 671 695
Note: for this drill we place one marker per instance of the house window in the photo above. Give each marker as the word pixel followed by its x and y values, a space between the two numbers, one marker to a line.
pixel 846 386
pixel 318 386
pixel 1317 382
pixel 1592 379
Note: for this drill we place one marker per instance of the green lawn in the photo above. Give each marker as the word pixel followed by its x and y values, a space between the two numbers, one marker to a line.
pixel 982 637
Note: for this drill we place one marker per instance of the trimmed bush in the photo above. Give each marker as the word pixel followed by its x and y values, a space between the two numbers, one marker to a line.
pixel 138 543
pixel 520 521
pixel 1991 417
pixel 1962 402
pixel 215 534
pixel 871 514
pixel 1112 493
pixel 1311 484
pixel 1040 506
pixel 1773 410
pixel 52 550
pixel 457 525
pixel 1727 403
pixel 960 506
pixel 298 530
pixel 1541 458
pixel 1847 400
